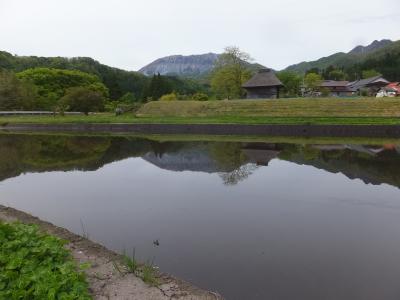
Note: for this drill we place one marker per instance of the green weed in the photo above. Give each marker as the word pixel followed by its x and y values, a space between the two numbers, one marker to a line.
pixel 148 274
pixel 37 266
pixel 130 262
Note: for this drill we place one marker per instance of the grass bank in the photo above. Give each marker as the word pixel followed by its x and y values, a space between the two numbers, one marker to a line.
pixel 37 266
pixel 327 111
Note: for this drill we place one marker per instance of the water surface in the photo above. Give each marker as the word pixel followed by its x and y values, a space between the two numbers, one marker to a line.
pixel 249 220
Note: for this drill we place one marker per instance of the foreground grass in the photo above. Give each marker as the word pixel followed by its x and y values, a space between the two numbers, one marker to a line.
pixel 36 266
pixel 330 111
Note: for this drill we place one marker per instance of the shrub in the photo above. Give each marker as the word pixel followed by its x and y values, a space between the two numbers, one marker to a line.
pixel 169 97
pixel 364 93
pixel 83 99
pixel 200 97
pixel 325 92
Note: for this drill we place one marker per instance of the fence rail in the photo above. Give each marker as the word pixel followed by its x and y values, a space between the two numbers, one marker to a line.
pixel 34 113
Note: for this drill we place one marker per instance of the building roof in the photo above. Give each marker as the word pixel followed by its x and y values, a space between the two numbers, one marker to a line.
pixel 264 78
pixel 334 83
pixel 395 86
pixel 366 82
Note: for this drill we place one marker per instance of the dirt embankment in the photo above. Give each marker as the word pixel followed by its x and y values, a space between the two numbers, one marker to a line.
pixel 104 280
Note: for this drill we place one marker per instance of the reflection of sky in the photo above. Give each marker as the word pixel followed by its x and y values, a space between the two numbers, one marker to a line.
pixel 286 225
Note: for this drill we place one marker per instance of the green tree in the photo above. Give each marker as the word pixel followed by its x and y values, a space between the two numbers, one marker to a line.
pixel 83 99
pixel 158 86
pixel 369 73
pixel 52 84
pixel 312 81
pixel 127 98
pixel 16 94
pixel 337 75
pixel 230 73
pixel 292 83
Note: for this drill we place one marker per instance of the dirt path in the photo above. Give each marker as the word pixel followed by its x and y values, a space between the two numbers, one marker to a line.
pixel 104 280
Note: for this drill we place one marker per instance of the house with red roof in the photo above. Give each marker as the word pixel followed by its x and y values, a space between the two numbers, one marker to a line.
pixel 391 90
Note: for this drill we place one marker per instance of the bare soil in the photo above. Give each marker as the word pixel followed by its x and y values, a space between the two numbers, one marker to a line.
pixel 104 280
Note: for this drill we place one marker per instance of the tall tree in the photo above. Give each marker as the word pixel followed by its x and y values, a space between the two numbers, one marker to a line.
pixel 230 72
pixel 16 94
pixel 158 86
pixel 52 84
pixel 312 81
pixel 369 73
pixel 292 83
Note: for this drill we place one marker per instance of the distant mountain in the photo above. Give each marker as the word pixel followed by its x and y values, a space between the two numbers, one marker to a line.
pixel 189 66
pixel 341 59
pixel 194 66
pixel 375 45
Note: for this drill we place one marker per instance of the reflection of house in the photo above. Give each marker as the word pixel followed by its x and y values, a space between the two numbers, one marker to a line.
pixel 371 150
pixel 370 85
pixel 263 85
pixel 260 157
pixel 336 88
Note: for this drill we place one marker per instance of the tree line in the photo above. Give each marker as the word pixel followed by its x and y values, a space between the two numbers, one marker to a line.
pixel 40 83
pixel 83 84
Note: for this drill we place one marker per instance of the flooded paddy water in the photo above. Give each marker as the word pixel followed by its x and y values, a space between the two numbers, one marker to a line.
pixel 248 219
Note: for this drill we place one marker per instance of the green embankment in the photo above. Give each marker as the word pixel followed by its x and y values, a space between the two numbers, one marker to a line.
pixel 37 266
pixel 324 111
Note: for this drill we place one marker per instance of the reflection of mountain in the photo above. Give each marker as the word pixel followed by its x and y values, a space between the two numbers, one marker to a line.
pixel 186 159
pixel 213 157
pixel 233 162
pixel 373 165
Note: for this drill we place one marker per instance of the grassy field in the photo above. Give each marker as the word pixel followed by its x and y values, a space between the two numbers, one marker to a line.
pixel 283 111
pixel 322 107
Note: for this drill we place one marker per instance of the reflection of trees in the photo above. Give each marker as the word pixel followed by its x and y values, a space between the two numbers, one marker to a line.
pixel 238 175
pixel 354 161
pixel 29 153
pixel 229 157
pixel 36 153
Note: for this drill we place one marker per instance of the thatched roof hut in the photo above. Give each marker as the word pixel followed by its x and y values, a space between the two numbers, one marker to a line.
pixel 263 85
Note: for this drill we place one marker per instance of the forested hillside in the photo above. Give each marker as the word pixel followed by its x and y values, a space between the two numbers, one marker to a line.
pixel 31 82
pixel 119 82
pixel 380 56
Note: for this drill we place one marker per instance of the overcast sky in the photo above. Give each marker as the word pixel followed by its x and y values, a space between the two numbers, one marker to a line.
pixel 131 33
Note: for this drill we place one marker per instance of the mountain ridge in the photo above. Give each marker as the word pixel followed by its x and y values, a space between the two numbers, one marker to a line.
pixel 341 59
pixel 181 65
pixel 192 66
